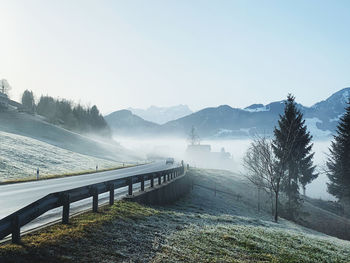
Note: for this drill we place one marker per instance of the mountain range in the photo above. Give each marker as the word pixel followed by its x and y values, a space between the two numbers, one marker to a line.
pixel 227 122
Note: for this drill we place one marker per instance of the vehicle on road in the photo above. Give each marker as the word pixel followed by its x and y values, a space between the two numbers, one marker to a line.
pixel 169 160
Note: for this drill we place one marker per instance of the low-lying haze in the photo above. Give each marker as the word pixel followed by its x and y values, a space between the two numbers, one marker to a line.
pixel 175 147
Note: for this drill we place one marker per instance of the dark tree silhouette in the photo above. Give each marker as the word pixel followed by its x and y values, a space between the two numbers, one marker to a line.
pixel 338 163
pixel 28 102
pixel 292 147
pixel 73 117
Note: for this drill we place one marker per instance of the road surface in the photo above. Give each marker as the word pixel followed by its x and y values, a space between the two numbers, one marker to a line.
pixel 15 196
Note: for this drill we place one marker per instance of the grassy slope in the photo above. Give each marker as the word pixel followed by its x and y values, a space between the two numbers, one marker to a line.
pixel 20 157
pixel 28 142
pixel 36 128
pixel 199 228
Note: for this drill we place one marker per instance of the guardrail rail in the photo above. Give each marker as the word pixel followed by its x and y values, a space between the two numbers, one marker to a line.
pixel 12 224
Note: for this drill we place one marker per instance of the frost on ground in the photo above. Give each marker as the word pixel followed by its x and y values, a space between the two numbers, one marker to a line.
pixel 201 227
pixel 221 228
pixel 21 156
pixel 35 127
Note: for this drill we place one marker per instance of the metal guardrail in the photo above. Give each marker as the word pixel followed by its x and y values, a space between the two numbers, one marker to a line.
pixel 12 224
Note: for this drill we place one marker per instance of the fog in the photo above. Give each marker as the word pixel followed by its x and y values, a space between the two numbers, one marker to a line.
pixel 155 148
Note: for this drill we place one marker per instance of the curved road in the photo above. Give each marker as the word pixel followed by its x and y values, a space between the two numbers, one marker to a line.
pixel 15 196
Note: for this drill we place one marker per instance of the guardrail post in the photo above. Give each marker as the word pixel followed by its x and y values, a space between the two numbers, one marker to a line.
pixel 130 186
pixel 111 194
pixel 172 175
pixel 159 178
pixel 65 210
pixel 152 180
pixel 142 183
pixel 16 230
pixel 164 177
pixel 94 200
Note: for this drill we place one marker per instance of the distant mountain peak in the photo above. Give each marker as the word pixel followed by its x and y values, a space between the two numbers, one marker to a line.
pixel 162 115
pixel 345 94
pixel 339 98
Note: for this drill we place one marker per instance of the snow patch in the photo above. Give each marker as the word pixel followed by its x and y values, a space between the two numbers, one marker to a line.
pixel 336 118
pixel 223 132
pixel 317 133
pixel 245 130
pixel 345 96
pixel 260 109
pixel 227 133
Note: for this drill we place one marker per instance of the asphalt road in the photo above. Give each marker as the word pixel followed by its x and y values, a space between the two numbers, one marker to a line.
pixel 16 196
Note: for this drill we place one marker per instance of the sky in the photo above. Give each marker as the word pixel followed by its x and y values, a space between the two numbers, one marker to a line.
pixel 137 53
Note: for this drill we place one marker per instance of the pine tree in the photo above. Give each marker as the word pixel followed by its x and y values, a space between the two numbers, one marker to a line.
pixel 338 163
pixel 292 147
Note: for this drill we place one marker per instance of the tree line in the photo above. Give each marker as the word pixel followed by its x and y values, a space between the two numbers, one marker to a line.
pixel 283 165
pixel 65 113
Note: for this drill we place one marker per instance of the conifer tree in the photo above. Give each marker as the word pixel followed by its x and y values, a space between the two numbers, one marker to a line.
pixel 28 101
pixel 338 163
pixel 292 147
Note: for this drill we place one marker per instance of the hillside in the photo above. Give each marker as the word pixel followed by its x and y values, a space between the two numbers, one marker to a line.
pixel 36 128
pixel 21 156
pixel 201 227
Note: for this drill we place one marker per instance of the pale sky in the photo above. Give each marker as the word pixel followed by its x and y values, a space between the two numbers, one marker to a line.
pixel 137 53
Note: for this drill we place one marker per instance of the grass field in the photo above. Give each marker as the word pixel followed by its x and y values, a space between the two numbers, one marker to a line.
pixel 201 227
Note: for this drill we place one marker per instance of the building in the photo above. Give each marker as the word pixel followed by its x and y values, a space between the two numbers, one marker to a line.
pixel 200 155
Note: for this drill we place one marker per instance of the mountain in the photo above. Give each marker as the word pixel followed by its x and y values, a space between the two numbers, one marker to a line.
pixel 330 110
pixel 227 122
pixel 124 122
pixel 161 115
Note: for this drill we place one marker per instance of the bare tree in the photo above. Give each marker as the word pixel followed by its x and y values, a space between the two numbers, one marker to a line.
pixel 260 164
pixel 4 86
